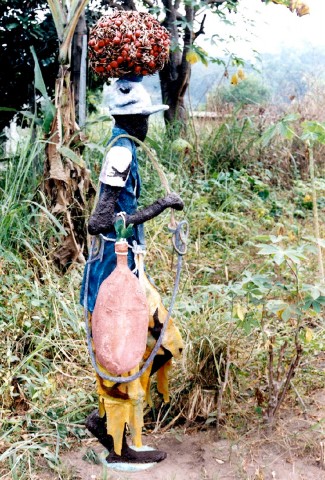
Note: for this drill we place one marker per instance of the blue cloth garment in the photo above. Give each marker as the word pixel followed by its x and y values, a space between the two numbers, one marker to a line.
pixel 103 258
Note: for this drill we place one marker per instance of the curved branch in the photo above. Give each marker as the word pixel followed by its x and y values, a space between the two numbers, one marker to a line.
pixel 201 29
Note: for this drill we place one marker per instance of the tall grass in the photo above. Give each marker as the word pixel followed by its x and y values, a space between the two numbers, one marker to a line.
pixel 48 386
pixel 18 185
pixel 41 331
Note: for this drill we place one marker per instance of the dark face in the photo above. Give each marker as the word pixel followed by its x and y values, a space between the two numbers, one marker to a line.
pixel 135 125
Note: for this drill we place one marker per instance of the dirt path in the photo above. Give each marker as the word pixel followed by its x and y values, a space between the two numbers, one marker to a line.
pixel 198 456
pixel 290 452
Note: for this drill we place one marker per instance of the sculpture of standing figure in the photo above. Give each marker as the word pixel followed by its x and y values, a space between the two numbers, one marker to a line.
pixel 121 404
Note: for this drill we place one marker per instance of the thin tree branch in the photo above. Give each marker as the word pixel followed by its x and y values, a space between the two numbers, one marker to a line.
pixel 201 29
pixel 280 360
pixel 223 387
pixel 315 211
pixel 290 374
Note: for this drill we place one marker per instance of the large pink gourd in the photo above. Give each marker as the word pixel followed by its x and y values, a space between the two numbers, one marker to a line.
pixel 120 318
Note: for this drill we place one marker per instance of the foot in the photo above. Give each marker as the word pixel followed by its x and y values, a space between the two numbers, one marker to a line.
pixel 97 426
pixel 129 455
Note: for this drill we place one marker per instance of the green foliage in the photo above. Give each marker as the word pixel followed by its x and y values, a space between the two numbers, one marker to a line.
pixel 283 128
pixel 40 336
pixel 313 132
pixel 250 90
pixel 122 232
pixel 18 183
pixel 249 282
pixel 21 27
pixel 47 107
pixel 231 144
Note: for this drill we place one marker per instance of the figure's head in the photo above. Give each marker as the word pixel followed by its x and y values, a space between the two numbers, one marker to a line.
pixel 135 125
pixel 130 104
pixel 128 96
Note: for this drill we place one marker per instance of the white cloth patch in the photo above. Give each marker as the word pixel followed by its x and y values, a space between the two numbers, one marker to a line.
pixel 116 167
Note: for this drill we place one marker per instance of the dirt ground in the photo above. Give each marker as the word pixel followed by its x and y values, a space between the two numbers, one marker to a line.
pixel 196 457
pixel 291 452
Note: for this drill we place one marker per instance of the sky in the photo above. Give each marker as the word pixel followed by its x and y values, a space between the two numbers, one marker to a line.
pixel 266 28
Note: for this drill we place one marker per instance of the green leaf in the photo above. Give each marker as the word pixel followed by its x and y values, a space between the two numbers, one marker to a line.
pixel 276 239
pixel 312 290
pixel 76 9
pixel 59 16
pixel 268 135
pixel 267 249
pixel 11 26
pixel 279 258
pixel 99 119
pixel 95 146
pixel 282 128
pixel 67 152
pixel 285 131
pixel 51 217
pixel 28 114
pixel 153 144
pixel 38 77
pixel 313 131
pixel 276 306
pixel 32 116
pixel 122 232
pixel 318 241
pixel 48 107
pixel 49 113
pixel 316 306
pixel 287 313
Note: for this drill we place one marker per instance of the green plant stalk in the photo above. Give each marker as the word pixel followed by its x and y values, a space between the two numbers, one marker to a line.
pixel 59 17
pixel 65 24
pixel 315 211
pixel 76 10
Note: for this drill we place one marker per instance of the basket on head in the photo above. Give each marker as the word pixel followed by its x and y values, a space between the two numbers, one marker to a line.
pixel 128 42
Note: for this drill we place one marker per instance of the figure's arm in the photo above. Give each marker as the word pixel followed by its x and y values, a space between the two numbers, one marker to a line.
pixel 113 177
pixel 172 200
pixel 103 219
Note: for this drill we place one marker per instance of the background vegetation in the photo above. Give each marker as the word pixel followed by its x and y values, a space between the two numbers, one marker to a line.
pixel 252 299
pixel 251 306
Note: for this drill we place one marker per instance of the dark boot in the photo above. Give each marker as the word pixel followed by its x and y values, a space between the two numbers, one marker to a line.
pixel 97 426
pixel 128 455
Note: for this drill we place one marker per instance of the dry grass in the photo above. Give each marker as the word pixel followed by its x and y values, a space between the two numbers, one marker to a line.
pixel 49 384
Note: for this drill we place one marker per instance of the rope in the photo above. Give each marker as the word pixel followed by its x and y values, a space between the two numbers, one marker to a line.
pixel 179 239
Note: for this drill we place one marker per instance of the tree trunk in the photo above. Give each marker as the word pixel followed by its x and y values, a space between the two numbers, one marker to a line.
pixel 76 62
pixel 173 94
pixel 175 76
pixel 66 179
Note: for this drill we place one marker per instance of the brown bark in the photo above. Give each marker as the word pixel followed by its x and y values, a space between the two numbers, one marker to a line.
pixel 67 181
pixel 175 76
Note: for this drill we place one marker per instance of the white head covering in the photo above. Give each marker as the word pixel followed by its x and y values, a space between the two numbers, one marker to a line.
pixel 127 97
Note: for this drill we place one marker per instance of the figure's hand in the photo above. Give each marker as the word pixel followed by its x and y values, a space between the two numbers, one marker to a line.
pixel 173 200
